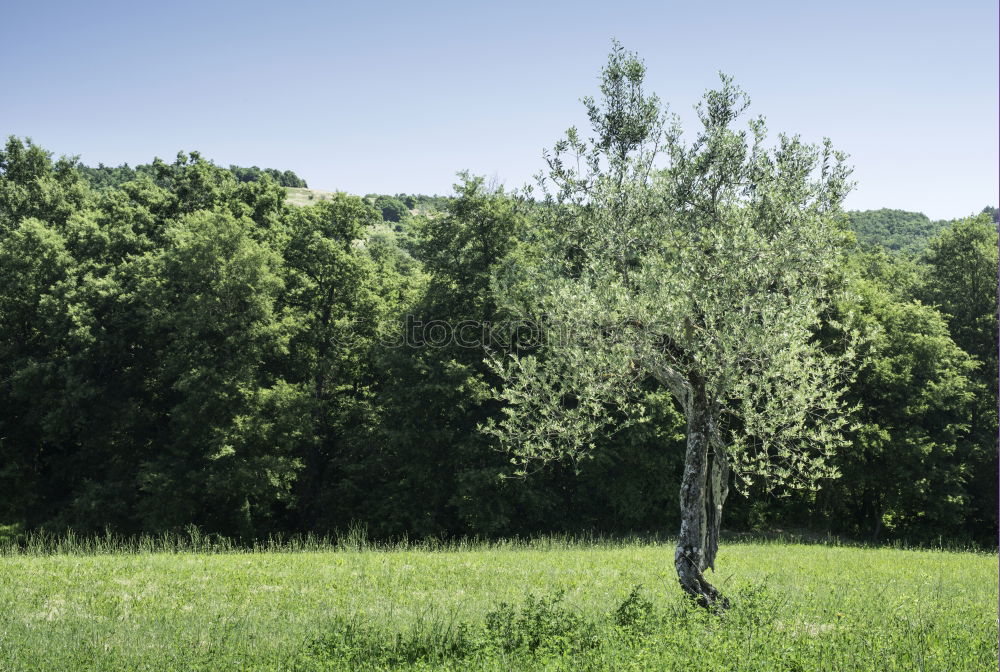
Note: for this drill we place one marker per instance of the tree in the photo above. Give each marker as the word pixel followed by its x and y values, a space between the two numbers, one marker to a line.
pixel 35 268
pixel 225 452
pixel 331 294
pixel 392 209
pixel 904 470
pixel 961 280
pixel 440 475
pixel 32 185
pixel 706 276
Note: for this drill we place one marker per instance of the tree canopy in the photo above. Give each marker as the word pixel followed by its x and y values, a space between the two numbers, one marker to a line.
pixel 706 274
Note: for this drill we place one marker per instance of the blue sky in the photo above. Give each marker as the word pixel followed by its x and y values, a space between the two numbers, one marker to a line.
pixel 398 96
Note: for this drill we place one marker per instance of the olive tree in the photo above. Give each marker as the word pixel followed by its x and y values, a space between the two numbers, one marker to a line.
pixel 700 266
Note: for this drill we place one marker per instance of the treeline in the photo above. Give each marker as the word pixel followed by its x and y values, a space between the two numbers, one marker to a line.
pixel 895 230
pixel 183 347
pixel 899 231
pixel 112 177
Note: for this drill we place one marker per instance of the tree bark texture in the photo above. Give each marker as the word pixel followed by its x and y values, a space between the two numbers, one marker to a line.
pixel 703 491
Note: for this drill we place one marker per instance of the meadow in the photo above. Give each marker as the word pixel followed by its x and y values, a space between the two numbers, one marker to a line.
pixel 547 604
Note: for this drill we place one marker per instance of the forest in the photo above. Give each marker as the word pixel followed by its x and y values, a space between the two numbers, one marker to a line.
pixel 180 346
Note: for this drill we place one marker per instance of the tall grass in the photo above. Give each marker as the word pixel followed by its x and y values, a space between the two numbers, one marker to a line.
pixel 199 602
pixel 355 538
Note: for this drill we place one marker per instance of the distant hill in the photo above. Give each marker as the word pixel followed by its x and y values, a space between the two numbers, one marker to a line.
pixel 415 203
pixel 896 230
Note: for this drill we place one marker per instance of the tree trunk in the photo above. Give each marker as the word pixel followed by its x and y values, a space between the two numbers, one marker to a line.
pixel 703 491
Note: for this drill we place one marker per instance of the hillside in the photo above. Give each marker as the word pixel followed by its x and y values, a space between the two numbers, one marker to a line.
pixel 895 230
pixel 303 196
pixel 414 203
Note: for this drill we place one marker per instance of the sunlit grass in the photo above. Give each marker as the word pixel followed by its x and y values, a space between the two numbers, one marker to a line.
pixel 347 606
pixel 303 196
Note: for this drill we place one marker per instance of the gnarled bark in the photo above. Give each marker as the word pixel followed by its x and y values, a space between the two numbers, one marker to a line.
pixel 703 491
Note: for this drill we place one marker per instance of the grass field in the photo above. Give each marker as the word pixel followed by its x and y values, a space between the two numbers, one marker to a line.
pixel 547 604
pixel 303 196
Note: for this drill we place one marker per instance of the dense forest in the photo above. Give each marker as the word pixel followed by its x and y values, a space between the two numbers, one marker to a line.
pixel 178 345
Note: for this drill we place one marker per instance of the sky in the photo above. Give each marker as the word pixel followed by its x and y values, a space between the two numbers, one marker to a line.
pixel 388 97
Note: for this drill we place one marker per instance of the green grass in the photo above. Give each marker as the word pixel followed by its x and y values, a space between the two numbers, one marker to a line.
pixel 549 604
